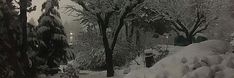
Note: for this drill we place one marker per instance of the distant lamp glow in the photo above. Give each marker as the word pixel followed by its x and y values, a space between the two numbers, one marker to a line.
pixel 71 37
pixel 167 36
pixel 37 45
pixel 71 33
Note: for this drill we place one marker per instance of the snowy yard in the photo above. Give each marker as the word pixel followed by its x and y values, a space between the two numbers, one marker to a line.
pixel 102 74
pixel 93 74
pixel 120 73
pixel 209 59
pixel 116 39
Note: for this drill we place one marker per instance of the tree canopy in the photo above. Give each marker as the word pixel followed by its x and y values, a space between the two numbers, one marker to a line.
pixel 190 17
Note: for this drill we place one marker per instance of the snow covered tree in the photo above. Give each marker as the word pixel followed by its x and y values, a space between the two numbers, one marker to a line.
pixel 53 44
pixel 13 56
pixel 110 16
pixel 149 20
pixel 190 17
pixel 9 41
pixel 32 22
pixel 24 5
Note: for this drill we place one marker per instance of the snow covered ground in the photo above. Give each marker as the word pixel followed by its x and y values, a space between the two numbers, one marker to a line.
pixel 172 49
pixel 121 73
pixel 209 59
pixel 140 60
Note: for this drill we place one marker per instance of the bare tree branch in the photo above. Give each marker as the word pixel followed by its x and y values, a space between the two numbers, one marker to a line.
pixel 17 2
pixel 127 10
pixel 199 21
pixel 107 17
pixel 177 33
pixel 202 29
pixel 32 9
pixel 82 4
pixel 182 25
pixel 85 7
pixel 176 26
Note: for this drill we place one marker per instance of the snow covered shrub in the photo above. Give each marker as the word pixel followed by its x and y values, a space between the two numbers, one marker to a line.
pixel 119 58
pixel 94 59
pixel 91 53
pixel 182 41
pixel 70 71
pixel 161 54
pixel 200 39
pixel 124 53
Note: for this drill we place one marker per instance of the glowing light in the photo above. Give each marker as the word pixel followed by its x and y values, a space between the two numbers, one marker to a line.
pixel 71 33
pixel 167 36
pixel 37 45
pixel 71 37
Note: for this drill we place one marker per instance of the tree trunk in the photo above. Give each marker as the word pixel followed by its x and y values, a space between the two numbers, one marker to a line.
pixel 138 42
pixel 12 47
pixel 23 24
pixel 190 39
pixel 23 21
pixel 14 61
pixel 108 53
pixel 109 62
pixel 126 31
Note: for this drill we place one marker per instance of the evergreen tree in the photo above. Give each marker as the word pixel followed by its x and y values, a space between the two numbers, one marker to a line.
pixel 53 44
pixel 9 41
pixel 13 57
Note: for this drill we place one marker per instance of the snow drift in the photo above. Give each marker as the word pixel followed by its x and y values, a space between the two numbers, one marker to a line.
pixel 208 59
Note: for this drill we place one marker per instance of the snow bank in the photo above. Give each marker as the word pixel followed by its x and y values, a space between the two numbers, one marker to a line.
pixel 171 48
pixel 139 63
pixel 207 59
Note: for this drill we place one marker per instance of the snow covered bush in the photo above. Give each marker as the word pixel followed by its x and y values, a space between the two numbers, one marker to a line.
pixel 161 54
pixel 182 41
pixel 70 71
pixel 91 55
pixel 208 59
pixel 124 53
pixel 94 59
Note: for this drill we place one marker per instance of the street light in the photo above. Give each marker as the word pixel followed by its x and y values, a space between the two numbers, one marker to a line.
pixel 167 38
pixel 71 37
pixel 71 33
